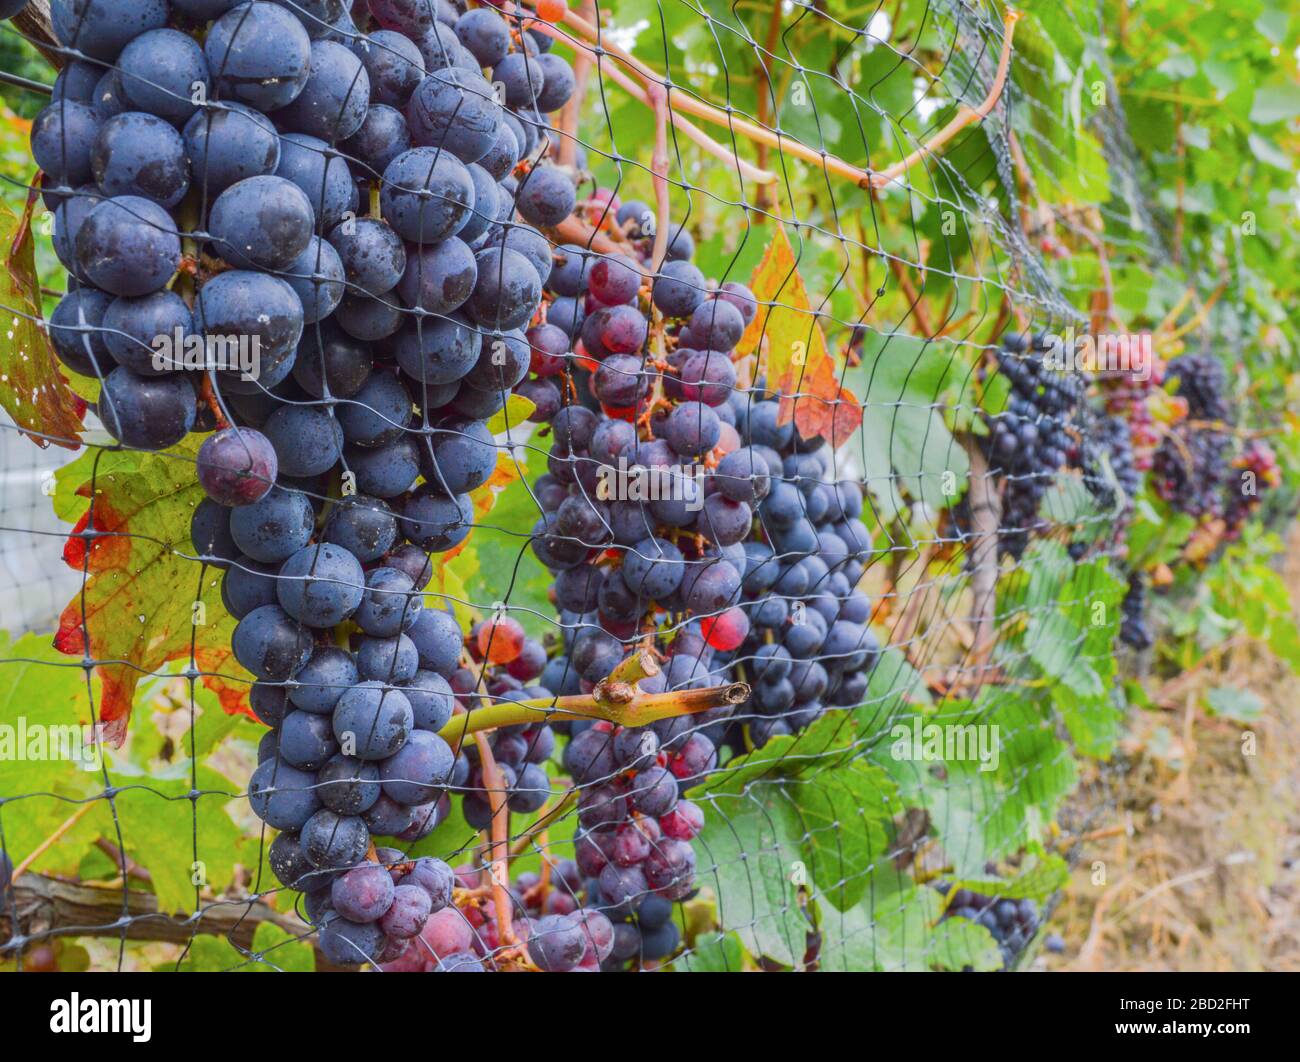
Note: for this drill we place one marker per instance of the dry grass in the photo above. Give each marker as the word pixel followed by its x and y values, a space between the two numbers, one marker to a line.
pixel 1205 874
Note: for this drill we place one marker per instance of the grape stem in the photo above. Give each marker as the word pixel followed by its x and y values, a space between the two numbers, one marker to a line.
pixel 498 852
pixel 572 112
pixel 638 710
pixel 34 23
pixel 51 840
pixel 658 95
pixel 544 821
pixel 706 143
pixel 639 665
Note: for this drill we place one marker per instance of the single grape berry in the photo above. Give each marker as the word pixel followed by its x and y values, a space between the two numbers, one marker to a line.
pixel 236 466
pixel 501 640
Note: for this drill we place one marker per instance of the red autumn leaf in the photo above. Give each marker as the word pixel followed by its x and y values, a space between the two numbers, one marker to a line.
pixel 32 389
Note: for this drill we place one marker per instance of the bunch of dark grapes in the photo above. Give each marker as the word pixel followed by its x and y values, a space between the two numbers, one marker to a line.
pixel 1013 923
pixel 1109 441
pixel 810 647
pixel 680 516
pixel 1133 630
pixel 1191 466
pixel 1257 471
pixel 355 208
pixel 1125 396
pixel 1030 440
pixel 557 933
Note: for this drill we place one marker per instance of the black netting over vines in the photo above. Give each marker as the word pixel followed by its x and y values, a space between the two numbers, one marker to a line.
pixel 550 487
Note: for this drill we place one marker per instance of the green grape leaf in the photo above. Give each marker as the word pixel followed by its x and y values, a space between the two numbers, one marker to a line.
pixel 713 953
pixel 47 757
pixel 281 951
pixel 904 442
pixel 847 814
pixel 507 570
pixel 990 773
pixel 160 825
pixel 787 755
pixel 749 851
pixel 1042 876
pixel 1232 702
pixel 897 928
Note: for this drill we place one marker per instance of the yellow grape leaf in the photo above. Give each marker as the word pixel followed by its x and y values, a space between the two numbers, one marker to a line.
pixel 457 567
pixel 516 410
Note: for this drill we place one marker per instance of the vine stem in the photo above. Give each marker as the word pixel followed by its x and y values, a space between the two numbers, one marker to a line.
pixel 986 515
pixel 659 167
pixel 964 117
pixel 498 852
pixel 619 704
pixel 767 97
pixel 544 821
pixel 572 113
pixel 706 143
pixel 759 134
pixel 52 839
pixel 574 230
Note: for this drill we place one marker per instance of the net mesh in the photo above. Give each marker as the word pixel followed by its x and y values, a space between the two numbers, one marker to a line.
pixel 925 169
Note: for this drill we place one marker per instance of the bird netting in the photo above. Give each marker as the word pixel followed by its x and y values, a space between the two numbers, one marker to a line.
pixel 619 486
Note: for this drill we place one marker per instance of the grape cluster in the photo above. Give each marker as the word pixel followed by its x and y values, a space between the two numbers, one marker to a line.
pixel 1191 466
pixel 642 936
pixel 356 210
pixel 810 647
pixel 1031 439
pixel 680 514
pixel 1126 397
pixel 558 935
pixel 1013 923
pixel 1109 441
pixel 1257 471
pixel 340 190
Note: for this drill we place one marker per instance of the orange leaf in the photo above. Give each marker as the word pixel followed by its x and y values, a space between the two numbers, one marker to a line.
pixel 821 406
pixel 506 472
pixel 786 334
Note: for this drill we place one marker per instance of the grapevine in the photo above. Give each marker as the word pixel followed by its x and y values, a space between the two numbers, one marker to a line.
pixel 354 269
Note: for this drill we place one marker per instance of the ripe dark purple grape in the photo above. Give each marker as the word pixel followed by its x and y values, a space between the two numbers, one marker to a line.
pixel 621 329
pixel 260 56
pixel 679 289
pixel 546 196
pixel 692 429
pixel 141 155
pixel 236 466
